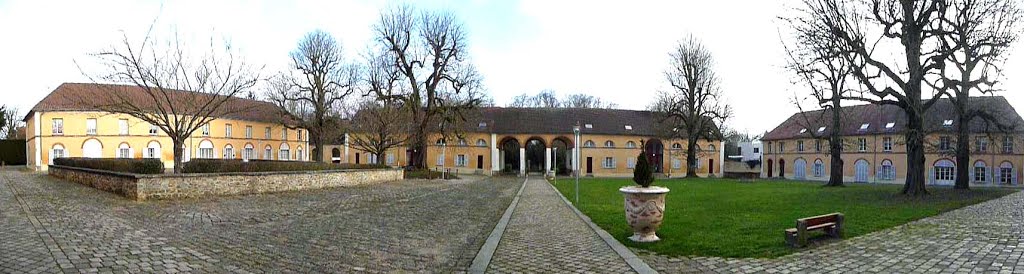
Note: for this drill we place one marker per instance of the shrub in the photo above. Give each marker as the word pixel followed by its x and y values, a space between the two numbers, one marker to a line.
pixel 221 165
pixel 138 166
pixel 643 174
pixel 427 174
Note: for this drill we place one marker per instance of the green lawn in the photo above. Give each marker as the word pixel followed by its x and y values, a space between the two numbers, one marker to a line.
pixel 727 218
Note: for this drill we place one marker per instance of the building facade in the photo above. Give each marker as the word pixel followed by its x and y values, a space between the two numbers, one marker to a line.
pixel 541 140
pixel 61 126
pixel 874 150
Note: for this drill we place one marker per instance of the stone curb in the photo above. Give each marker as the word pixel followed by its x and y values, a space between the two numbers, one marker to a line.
pixel 483 257
pixel 634 262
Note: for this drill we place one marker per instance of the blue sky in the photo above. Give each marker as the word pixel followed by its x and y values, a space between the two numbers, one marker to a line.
pixel 615 50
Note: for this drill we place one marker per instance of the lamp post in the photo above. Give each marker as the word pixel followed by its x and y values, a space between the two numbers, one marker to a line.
pixel 576 162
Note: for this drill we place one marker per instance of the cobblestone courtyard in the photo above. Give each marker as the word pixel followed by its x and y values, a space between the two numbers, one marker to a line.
pixel 48 226
pixel 982 238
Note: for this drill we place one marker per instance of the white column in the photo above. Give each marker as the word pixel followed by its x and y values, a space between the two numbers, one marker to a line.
pixel 495 154
pixel 547 159
pixel 522 160
pixel 344 159
pixel 721 159
pixel 39 140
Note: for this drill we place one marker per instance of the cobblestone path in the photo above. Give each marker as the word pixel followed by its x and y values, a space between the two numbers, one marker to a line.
pixel 51 226
pixel 545 236
pixel 982 238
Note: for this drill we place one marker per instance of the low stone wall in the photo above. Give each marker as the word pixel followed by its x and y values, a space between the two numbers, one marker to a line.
pixel 141 187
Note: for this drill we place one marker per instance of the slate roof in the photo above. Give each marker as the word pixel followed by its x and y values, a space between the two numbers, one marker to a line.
pixel 561 121
pixel 878 116
pixel 87 96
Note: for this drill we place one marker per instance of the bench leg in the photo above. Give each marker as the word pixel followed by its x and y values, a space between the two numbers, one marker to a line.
pixel 790 239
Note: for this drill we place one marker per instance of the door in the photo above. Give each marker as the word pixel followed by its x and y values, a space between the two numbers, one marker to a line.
pixel 479 162
pixel 357 158
pixel 590 165
pixel 771 170
pixel 861 171
pixel 800 169
pixel 711 166
pixel 782 168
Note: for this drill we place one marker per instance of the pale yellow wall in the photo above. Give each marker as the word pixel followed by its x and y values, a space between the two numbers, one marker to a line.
pixel 138 137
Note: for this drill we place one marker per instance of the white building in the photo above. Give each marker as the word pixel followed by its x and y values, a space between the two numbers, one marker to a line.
pixel 750 150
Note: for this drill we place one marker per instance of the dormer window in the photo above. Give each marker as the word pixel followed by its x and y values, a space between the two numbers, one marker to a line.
pixel 821 129
pixel 890 125
pixel 588 125
pixel 947 123
pixel 629 127
pixel 482 124
pixel 864 126
pixel 803 130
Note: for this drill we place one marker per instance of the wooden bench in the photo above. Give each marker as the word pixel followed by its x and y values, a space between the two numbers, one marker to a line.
pixel 831 224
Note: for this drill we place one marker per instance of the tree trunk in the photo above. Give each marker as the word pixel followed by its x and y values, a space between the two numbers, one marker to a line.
pixel 691 157
pixel 915 183
pixel 318 144
pixel 418 158
pixel 963 152
pixel 835 145
pixel 178 153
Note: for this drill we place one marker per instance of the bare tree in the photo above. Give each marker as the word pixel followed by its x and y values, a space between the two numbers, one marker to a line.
pixel 819 64
pixel 429 51
pixel 171 88
pixel 581 100
pixel 548 99
pixel 893 48
pixel 695 101
pixel 379 126
pixel 982 31
pixel 319 79
pixel 10 121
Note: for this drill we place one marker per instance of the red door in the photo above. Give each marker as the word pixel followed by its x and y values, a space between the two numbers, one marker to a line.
pixel 711 166
pixel 771 169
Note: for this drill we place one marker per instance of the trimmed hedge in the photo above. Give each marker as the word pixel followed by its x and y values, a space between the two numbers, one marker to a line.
pixel 222 165
pixel 138 166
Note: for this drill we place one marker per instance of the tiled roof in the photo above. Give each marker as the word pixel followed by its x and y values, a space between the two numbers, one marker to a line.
pixel 87 96
pixel 561 121
pixel 877 117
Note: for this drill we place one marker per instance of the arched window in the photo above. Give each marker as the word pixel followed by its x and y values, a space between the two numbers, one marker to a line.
pixel 481 143
pixel 462 142
pixel 440 141
pixel 631 144
pixel 124 150
pixel 92 148
pixel 1007 174
pixel 711 147
pixel 819 168
pixel 588 143
pixel 152 150
pixel 299 155
pixel 248 152
pixel 268 153
pixel 677 146
pixel 206 150
pixel 229 152
pixel 285 152
pixel 887 171
pixel 944 172
pixel 57 151
pixel 980 172
pixel 609 143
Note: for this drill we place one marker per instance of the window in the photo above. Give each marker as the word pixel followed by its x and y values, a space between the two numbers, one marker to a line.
pixel 391 159
pixel 248 132
pixel 782 147
pixel 944 173
pixel 864 127
pixel 440 160
pixel 248 153
pixel 300 155
pixel 152 150
pixel 58 127
pixel 947 123
pixel 266 133
pixel 268 153
pixel 980 172
pixel 90 126
pixel 629 127
pixel 229 152
pixel 817 145
pixel 462 142
pixel 206 129
pixel 154 130
pixel 981 144
pixel 631 144
pixel 630 163
pixel 800 146
pixel 944 143
pixel 371 158
pixel 819 168
pixel 481 143
pixel 588 143
pixel 802 130
pixel 890 125
pixel 58 152
pixel 608 162
pixel 862 144
pixel 460 160
pixel 206 150
pixel 677 146
pixel 1006 173
pixel 768 148
pixel 439 142
pixel 821 129
pixel 124 151
pixel 298 134
pixel 284 153
pixel 227 131
pixel 711 148
pixel 609 143
pixel 886 143
pixel 756 150
pixel 888 172
pixel 122 125
pixel 1008 144
pixel 482 124
pixel 677 164
pixel 589 126
pixel 284 134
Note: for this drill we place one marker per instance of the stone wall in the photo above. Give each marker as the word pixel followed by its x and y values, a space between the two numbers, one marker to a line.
pixel 178 186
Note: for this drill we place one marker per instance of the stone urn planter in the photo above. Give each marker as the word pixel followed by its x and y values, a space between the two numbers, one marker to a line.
pixel 645 208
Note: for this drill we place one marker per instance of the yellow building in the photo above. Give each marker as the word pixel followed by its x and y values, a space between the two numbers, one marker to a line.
pixel 62 126
pixel 874 150
pixel 541 140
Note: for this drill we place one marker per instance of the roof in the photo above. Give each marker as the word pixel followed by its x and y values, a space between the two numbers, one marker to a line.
pixel 89 96
pixel 878 117
pixel 561 121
